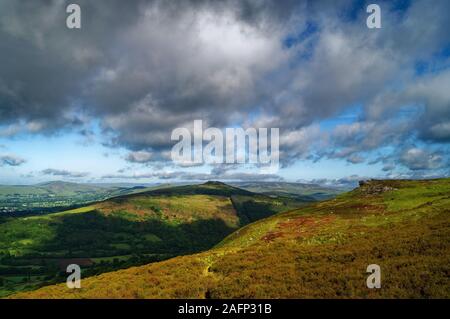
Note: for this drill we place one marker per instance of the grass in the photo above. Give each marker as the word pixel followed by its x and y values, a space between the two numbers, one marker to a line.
pixel 320 251
pixel 175 209
pixel 125 231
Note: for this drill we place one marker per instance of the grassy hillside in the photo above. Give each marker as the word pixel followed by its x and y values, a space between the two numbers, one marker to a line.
pixel 125 231
pixel 318 251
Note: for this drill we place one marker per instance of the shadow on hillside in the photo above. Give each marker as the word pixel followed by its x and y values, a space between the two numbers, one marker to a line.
pixel 95 235
pixel 118 242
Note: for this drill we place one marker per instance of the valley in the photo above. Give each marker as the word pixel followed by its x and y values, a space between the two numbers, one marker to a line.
pixel 125 231
pixel 19 200
pixel 317 251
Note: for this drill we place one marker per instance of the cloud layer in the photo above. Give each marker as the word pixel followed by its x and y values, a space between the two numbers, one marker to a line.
pixel 143 68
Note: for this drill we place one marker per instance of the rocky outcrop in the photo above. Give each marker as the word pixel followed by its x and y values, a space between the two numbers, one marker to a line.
pixel 374 187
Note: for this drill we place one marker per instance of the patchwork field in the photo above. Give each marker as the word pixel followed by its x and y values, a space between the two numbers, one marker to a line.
pixel 20 200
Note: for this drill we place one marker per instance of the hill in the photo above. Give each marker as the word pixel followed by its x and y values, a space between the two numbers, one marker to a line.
pixel 301 191
pixel 127 230
pixel 319 251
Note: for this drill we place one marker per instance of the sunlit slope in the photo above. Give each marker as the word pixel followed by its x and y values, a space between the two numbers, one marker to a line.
pixel 126 231
pixel 318 251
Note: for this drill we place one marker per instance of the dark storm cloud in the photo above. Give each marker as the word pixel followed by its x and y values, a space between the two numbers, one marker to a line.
pixel 179 57
pixel 143 68
pixel 44 65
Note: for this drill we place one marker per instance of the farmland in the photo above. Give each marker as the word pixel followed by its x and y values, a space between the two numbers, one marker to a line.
pixel 19 200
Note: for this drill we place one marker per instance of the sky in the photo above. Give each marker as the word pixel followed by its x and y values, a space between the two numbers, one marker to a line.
pixel 98 104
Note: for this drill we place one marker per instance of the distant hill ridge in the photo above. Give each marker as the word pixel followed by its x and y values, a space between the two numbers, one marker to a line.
pixel 301 191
